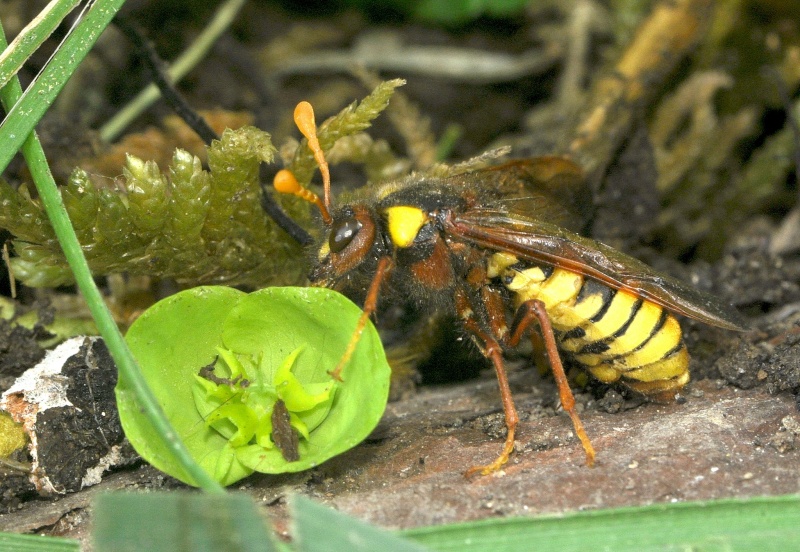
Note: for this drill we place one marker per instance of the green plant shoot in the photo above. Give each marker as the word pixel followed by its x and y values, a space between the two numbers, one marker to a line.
pixel 239 404
pixel 220 360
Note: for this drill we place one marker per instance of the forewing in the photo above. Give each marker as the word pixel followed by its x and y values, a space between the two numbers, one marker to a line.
pixel 536 240
pixel 551 188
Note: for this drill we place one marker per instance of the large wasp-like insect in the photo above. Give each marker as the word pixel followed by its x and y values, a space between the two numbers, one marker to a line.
pixel 495 243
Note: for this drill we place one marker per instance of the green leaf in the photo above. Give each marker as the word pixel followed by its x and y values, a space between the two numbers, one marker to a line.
pixel 29 39
pixel 246 425
pixel 764 524
pixel 321 529
pixel 99 15
pixel 178 522
pixel 171 341
pixel 193 225
pixel 322 322
pixel 22 118
pixel 282 341
pixel 299 398
pixel 463 11
pixel 354 118
pixel 11 542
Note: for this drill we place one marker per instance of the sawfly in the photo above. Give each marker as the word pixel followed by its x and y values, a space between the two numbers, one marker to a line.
pixel 498 247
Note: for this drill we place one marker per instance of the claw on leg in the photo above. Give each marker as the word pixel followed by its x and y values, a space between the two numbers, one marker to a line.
pixel 499 462
pixel 581 433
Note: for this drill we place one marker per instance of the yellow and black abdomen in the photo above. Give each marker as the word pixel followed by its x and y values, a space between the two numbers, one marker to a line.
pixel 613 333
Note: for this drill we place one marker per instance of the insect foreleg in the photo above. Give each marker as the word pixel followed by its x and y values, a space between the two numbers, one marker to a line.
pixel 370 304
pixel 491 349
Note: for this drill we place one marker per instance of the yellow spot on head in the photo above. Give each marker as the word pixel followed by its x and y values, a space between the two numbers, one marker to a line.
pixel 405 223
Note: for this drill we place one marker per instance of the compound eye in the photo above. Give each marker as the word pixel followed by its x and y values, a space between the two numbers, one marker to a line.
pixel 342 233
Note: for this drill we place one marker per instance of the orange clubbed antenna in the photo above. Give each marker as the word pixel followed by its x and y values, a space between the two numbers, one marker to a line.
pixel 286 183
pixel 304 119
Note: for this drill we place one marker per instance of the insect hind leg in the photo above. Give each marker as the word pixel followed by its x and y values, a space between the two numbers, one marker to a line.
pixel 534 310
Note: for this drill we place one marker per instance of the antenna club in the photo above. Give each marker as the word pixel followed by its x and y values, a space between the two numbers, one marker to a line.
pixel 304 119
pixel 285 182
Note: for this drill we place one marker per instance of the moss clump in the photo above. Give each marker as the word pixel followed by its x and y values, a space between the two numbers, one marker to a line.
pixel 193 225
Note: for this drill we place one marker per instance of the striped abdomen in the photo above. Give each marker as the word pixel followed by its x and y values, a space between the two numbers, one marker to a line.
pixel 613 333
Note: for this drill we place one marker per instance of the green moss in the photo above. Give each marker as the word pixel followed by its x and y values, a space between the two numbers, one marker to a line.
pixel 193 225
pixel 353 119
pixel 190 224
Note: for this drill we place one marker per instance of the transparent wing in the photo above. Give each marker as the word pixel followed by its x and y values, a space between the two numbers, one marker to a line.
pixel 534 240
pixel 549 188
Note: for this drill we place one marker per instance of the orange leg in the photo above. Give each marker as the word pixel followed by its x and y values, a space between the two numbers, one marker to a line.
pixel 492 350
pixel 370 304
pixel 526 314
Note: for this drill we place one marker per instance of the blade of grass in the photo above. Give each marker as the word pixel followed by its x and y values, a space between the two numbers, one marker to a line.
pixel 222 19
pixel 318 528
pixel 51 200
pixel 179 521
pixel 37 543
pixel 760 523
pixel 38 97
pixel 32 36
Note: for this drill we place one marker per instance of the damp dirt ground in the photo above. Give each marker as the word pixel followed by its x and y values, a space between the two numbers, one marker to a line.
pixel 719 442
